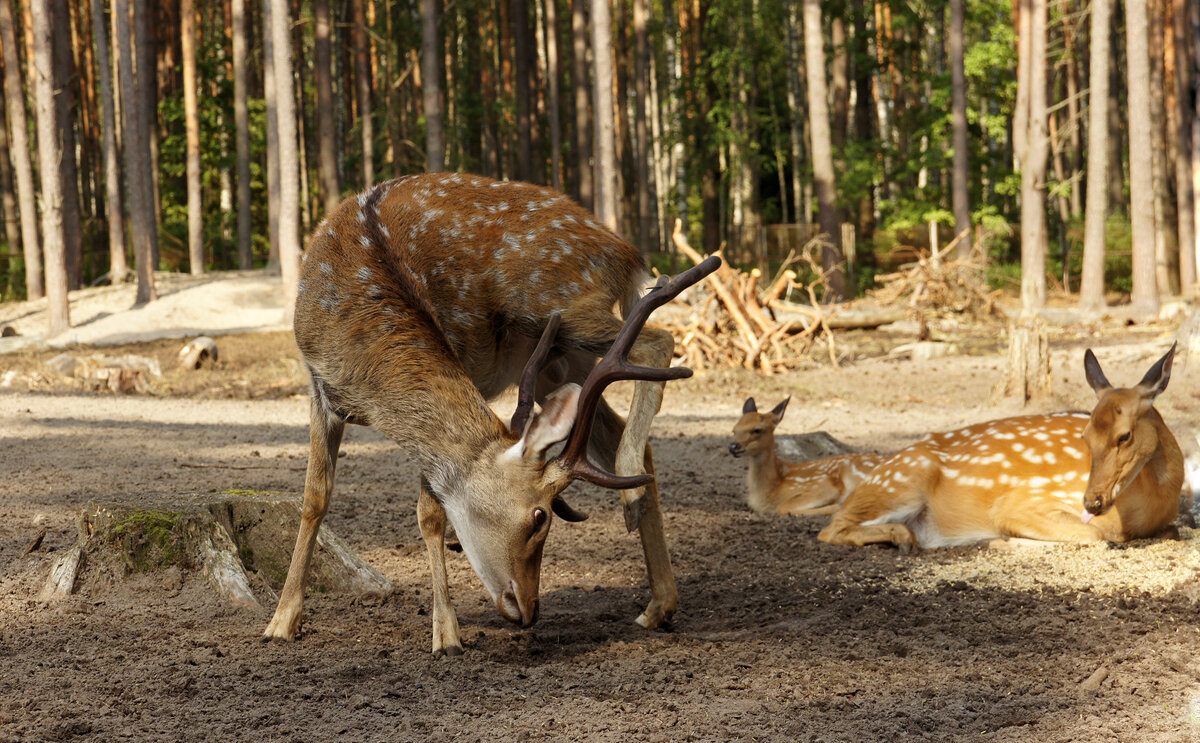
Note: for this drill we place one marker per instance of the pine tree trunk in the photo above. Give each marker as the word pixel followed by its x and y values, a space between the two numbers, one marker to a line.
pixel 553 74
pixel 148 106
pixel 49 158
pixel 8 198
pixel 435 147
pixel 35 287
pixel 1033 162
pixel 584 178
pixel 118 267
pixel 840 91
pixel 271 102
pixel 1091 288
pixel 958 83
pixel 362 84
pixel 522 47
pixel 241 119
pixel 137 158
pixel 191 116
pixel 822 152
pixel 1185 196
pixel 1141 180
pixel 641 131
pixel 326 135
pixel 64 101
pixel 606 143
pixel 1166 263
pixel 289 172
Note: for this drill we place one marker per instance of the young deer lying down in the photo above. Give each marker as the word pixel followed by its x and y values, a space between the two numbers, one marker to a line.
pixel 810 488
pixel 1029 477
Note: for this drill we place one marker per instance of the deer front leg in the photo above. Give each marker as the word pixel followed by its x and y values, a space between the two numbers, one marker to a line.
pixel 1018 516
pixel 432 520
pixel 642 510
pixel 325 438
pixel 875 503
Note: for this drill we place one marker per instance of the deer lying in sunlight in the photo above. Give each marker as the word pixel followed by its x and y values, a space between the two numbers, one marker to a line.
pixel 1114 475
pixel 811 488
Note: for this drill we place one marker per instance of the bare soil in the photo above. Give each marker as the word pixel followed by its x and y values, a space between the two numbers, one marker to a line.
pixel 778 637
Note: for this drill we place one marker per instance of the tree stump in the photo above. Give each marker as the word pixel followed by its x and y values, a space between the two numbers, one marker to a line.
pixel 815 445
pixel 240 540
pixel 1028 370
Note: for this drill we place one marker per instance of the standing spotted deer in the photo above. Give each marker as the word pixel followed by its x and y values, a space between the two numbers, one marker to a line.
pixel 423 298
pixel 1114 475
pixel 811 488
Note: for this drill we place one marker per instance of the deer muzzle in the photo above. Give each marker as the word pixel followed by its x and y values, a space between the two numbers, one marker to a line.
pixel 736 449
pixel 522 612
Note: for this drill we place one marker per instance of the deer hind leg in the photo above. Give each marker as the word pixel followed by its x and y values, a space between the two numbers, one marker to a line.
pixel 872 502
pixel 432 520
pixel 325 438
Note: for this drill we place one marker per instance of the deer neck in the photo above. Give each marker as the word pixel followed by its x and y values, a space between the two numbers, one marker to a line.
pixel 763 479
pixel 1163 472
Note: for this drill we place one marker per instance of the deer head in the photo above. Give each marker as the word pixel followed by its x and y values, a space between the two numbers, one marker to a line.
pixel 754 433
pixel 1121 434
pixel 501 509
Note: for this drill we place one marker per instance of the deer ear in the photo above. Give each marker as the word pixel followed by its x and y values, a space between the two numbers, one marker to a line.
pixel 551 424
pixel 778 409
pixel 1093 373
pixel 1155 381
pixel 749 406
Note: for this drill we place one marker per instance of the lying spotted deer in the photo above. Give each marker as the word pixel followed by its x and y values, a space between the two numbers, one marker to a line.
pixel 1029 477
pixel 811 488
pixel 423 298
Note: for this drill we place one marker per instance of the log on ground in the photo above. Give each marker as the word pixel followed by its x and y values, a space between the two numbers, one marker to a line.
pixel 240 541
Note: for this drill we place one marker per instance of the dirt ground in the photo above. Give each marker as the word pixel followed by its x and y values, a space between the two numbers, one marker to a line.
pixel 778 637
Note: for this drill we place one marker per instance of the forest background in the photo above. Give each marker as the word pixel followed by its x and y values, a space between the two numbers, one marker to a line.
pixel 1057 139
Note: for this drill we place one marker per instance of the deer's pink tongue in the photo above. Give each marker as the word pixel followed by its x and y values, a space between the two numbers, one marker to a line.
pixel 1087 515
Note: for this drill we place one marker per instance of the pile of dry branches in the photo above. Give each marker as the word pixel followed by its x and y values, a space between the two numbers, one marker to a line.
pixel 934 284
pixel 733 323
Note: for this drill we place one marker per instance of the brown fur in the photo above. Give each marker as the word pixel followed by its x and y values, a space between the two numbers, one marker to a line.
pixel 1030 477
pixel 420 300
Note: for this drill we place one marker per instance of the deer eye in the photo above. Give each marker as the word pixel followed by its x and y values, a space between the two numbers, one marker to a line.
pixel 539 519
pixel 1124 438
pixel 757 432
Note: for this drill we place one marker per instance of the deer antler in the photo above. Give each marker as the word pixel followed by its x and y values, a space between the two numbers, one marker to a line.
pixel 615 366
pixel 525 392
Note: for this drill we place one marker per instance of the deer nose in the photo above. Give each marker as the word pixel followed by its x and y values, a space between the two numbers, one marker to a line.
pixel 1094 507
pixel 736 449
pixel 511 608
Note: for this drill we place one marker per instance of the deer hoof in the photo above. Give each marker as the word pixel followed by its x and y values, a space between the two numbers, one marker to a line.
pixel 448 651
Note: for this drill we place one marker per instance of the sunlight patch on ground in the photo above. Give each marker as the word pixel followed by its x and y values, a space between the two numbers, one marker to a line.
pixel 1110 570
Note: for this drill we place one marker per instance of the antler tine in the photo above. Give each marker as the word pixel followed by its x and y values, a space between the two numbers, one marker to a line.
pixel 525 392
pixel 614 366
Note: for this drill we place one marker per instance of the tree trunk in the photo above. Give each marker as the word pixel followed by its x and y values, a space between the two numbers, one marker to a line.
pixel 64 101
pixel 606 143
pixel 1033 162
pixel 431 77
pixel 1091 288
pixel 331 190
pixel 1194 22
pixel 118 267
pixel 1141 180
pixel 8 199
pixel 1020 121
pixel 583 121
pixel 241 118
pixel 14 96
pixel 147 86
pixel 646 217
pixel 822 153
pixel 553 75
pixel 796 118
pixel 1116 164
pixel 49 158
pixel 289 173
pixel 362 85
pixel 522 48
pixel 271 102
pixel 840 92
pixel 959 185
pixel 191 116
pixel 1166 262
pixel 1185 196
pixel 137 159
